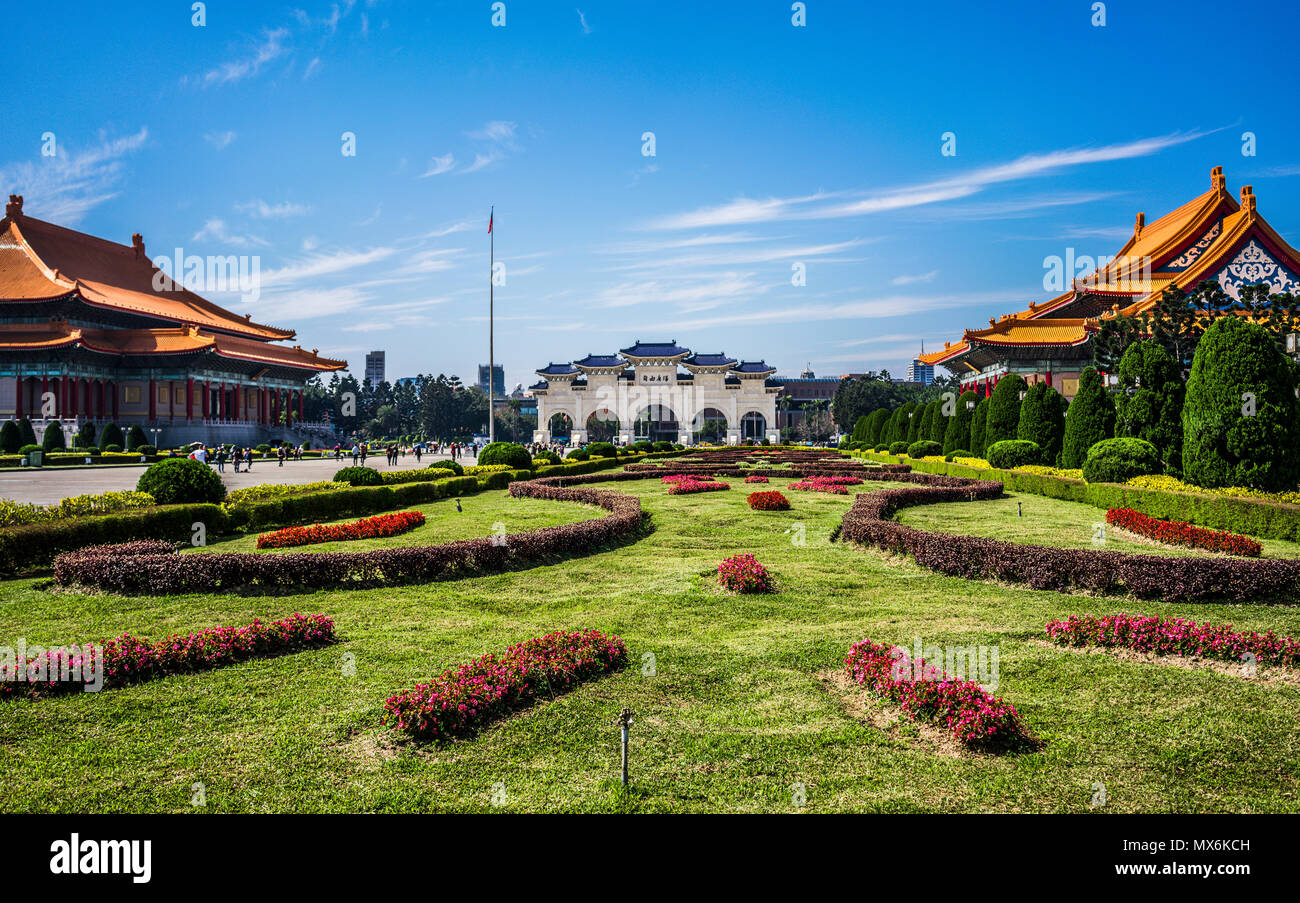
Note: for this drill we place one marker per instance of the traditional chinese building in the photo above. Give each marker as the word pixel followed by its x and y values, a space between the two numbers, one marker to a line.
pixel 1212 237
pixel 87 333
pixel 642 393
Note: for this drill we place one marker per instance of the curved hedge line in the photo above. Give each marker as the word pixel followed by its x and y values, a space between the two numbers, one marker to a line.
pixel 1174 579
pixel 128 571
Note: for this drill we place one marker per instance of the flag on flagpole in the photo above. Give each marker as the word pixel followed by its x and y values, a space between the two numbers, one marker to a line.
pixel 489 224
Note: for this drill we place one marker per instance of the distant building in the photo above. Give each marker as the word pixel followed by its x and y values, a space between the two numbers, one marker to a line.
pixel 498 379
pixel 920 372
pixel 375 367
pixel 405 381
pixel 796 393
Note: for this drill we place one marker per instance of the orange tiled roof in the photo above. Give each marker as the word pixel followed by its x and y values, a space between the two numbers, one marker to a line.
pixel 1016 331
pixel 57 333
pixel 60 261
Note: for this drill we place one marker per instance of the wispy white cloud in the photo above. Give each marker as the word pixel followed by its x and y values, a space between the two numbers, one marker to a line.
pixel 745 210
pixel 65 187
pixel 483 160
pixel 439 165
pixel 220 140
pixel 582 20
pixel 497 131
pixel 913 279
pixel 324 265
pixel 214 230
pixel 745 255
pixel 312 68
pixel 262 210
pixel 271 47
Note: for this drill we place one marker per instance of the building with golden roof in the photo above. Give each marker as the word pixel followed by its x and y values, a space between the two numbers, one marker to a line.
pixel 92 330
pixel 1213 237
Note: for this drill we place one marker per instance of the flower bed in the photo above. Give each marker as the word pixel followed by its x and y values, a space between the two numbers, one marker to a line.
pixel 974 716
pixel 837 485
pixel 462 700
pixel 755 479
pixel 1188 578
pixel 18 513
pixel 1183 534
pixel 769 500
pixel 129 659
pixel 1174 636
pixel 744 574
pixel 157 569
pixel 696 484
pixel 367 528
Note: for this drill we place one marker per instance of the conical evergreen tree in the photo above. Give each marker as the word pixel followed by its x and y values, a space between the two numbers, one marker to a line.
pixel 1089 419
pixel 957 436
pixel 10 439
pixel 53 439
pixel 1042 420
pixel 977 425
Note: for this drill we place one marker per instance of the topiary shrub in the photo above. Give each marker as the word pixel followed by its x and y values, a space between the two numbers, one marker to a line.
pixel 110 449
pixel 135 438
pixel 1151 406
pixel 877 420
pixel 898 448
pixel 1241 426
pixel 29 448
pixel 1003 421
pixel 111 434
pixel 450 465
pixel 644 445
pixel 662 446
pixel 1089 419
pixel 10 439
pixel 358 476
pixel 924 448
pixel 881 448
pixel 507 453
pixel 956 434
pixel 53 439
pixel 180 481
pixel 578 454
pixel 1119 460
pixel 547 457
pixel 1042 420
pixel 603 449
pixel 147 449
pixel 977 424
pixel 957 453
pixel 85 436
pixel 1011 453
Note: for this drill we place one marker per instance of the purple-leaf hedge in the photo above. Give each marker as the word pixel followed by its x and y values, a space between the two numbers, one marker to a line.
pixel 1174 579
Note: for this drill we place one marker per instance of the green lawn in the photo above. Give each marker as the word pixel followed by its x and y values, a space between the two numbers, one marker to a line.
pixel 733 715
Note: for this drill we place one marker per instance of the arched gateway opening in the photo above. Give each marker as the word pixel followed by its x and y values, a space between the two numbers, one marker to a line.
pixel 602 426
pixel 561 426
pixel 752 426
pixel 710 425
pixel 656 423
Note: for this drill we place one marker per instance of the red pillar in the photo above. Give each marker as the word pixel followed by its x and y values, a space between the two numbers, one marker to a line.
pixel 73 384
pixel 153 399
pixel 207 398
pixel 221 403
pixel 300 405
pixel 171 401
pixel 113 388
pixel 18 397
pixel 189 399
pixel 1048 377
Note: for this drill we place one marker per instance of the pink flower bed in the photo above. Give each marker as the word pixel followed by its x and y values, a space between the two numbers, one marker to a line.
pixel 1174 636
pixel 129 659
pixel 755 479
pixel 834 485
pixel 743 574
pixel 462 700
pixel 972 714
pixel 696 484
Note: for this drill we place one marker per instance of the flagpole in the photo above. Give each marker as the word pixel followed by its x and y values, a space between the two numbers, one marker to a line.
pixel 492 361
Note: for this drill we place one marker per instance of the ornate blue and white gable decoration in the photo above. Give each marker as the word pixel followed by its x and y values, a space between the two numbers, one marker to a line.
pixel 1192 254
pixel 1254 265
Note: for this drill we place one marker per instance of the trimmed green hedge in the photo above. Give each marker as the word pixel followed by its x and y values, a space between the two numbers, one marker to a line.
pixel 35 545
pixel 1266 520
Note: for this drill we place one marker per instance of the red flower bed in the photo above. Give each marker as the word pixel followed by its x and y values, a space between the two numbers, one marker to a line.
pixel 129 659
pixel 1179 533
pixel 696 484
pixel 1174 636
pixel 973 715
pixel 832 484
pixel 461 700
pixel 366 528
pixel 755 479
pixel 743 574
pixel 769 500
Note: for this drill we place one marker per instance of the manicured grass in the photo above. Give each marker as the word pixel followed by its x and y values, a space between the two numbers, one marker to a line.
pixel 1051 522
pixel 731 715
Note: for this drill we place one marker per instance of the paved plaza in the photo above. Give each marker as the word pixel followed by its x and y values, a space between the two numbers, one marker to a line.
pixel 46 486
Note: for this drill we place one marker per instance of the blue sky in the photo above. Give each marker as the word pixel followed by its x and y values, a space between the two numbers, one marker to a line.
pixel 774 145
